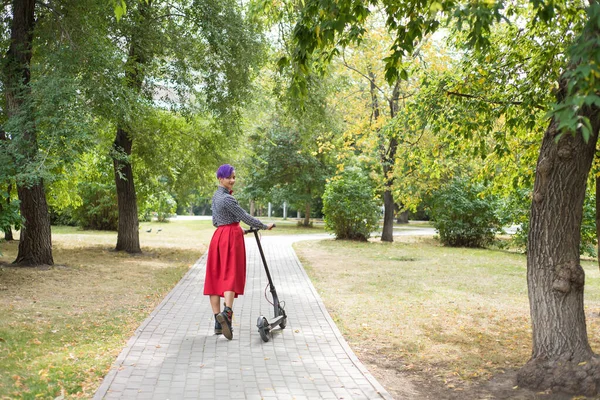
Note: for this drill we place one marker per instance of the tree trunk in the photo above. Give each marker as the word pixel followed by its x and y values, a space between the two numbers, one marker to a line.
pixel 8 233
pixel 387 235
pixel 402 217
pixel 35 246
pixel 388 159
pixel 128 237
pixel 562 359
pixel 306 214
pixel 35 243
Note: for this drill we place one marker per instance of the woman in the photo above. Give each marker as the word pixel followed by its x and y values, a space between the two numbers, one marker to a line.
pixel 226 264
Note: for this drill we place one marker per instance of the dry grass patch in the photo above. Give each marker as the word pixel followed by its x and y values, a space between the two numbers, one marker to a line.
pixel 452 315
pixel 62 327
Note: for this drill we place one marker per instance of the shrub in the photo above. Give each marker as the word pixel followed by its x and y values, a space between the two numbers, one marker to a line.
pixel 463 216
pixel 160 205
pixel 9 215
pixel 349 205
pixel 99 208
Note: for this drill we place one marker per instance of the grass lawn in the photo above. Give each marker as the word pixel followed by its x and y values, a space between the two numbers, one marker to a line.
pixel 452 317
pixel 61 328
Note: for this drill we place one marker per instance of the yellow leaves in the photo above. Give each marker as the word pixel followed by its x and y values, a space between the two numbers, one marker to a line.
pixel 435 7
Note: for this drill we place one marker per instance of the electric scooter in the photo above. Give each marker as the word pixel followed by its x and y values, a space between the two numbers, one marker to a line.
pixel 280 319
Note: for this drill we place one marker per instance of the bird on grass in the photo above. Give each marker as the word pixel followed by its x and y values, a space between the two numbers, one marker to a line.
pixel 149 230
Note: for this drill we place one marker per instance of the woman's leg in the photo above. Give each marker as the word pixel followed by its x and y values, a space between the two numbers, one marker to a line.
pixel 229 296
pixel 215 303
pixel 225 317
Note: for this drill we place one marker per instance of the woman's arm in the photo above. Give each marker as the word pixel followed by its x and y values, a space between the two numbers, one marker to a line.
pixel 233 207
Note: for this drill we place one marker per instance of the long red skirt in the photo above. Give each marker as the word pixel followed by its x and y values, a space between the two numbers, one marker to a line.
pixel 226 264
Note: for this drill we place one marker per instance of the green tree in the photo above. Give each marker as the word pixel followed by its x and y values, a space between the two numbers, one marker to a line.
pixel 286 159
pixel 290 168
pixel 35 246
pixel 190 56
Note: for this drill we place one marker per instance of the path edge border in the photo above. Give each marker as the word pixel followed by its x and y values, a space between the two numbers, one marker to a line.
pixel 102 390
pixel 353 357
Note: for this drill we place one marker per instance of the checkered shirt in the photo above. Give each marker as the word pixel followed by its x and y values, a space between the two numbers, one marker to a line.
pixel 226 210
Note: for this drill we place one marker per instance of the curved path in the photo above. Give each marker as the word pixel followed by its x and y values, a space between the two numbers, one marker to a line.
pixel 174 354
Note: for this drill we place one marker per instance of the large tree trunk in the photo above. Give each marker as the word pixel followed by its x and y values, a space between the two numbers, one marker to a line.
pixel 562 359
pixel 35 247
pixel 306 214
pixel 35 243
pixel 128 237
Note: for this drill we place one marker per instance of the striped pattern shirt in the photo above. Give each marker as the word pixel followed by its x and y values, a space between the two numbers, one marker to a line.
pixel 226 210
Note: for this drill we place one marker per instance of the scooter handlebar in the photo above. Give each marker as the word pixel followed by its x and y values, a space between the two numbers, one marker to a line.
pixel 252 229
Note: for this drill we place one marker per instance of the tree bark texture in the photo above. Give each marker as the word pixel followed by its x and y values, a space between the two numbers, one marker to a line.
pixel 402 217
pixel 35 243
pixel 388 159
pixel 128 237
pixel 306 214
pixel 562 359
pixel 35 247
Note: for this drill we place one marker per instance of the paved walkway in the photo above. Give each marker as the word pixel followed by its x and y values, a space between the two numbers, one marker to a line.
pixel 175 355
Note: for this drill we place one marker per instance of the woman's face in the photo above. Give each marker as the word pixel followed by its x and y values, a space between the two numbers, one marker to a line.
pixel 228 183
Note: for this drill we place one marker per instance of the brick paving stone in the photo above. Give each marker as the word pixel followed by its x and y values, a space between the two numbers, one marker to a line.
pixel 174 354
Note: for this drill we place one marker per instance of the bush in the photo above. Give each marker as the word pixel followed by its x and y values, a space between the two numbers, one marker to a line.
pixel 99 208
pixel 463 217
pixel 62 217
pixel 9 215
pixel 349 205
pixel 160 205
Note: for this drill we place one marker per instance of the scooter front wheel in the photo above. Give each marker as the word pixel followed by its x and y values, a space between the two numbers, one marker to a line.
pixel 263 328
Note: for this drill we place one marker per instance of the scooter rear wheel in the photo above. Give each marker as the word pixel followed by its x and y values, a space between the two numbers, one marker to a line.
pixel 283 322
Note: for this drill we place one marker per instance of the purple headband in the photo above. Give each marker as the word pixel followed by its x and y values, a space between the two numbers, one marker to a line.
pixel 225 171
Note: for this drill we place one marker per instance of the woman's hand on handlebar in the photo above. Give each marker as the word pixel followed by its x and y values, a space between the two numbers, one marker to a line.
pixel 270 226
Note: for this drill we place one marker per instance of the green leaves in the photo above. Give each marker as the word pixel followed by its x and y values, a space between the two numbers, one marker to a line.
pixel 578 92
pixel 120 7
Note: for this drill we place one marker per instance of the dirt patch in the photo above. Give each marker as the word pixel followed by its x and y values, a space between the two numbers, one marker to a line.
pixel 424 385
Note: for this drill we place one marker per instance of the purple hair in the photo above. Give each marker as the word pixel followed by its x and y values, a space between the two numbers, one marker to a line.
pixel 225 171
